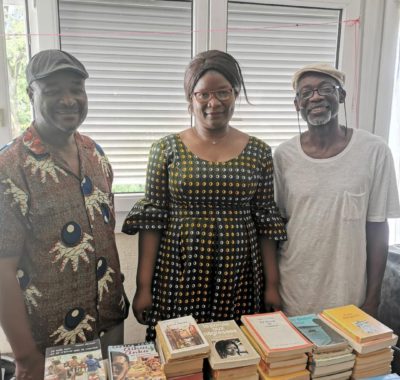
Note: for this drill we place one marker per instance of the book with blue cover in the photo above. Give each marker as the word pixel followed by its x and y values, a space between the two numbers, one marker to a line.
pixel 319 333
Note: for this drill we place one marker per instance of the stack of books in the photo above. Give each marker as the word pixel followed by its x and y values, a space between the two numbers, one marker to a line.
pixel 135 362
pixel 232 357
pixel 370 339
pixel 331 357
pixel 182 347
pixel 283 350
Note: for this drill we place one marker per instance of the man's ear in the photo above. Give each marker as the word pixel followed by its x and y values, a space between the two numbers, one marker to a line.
pixel 29 91
pixel 342 95
pixel 296 104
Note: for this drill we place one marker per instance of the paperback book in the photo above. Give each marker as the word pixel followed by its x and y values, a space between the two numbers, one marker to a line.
pixel 362 348
pixel 135 362
pixel 359 325
pixel 181 337
pixel 74 360
pixel 229 346
pixel 275 334
pixel 319 333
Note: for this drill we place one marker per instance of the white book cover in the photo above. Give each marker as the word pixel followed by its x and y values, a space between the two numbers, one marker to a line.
pixel 274 332
pixel 183 337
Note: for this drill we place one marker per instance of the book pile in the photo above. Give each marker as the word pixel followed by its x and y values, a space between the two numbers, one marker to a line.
pixel 135 362
pixel 232 356
pixel 281 346
pixel 370 339
pixel 331 357
pixel 182 347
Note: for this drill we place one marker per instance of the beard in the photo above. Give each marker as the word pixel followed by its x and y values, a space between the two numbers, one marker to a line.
pixel 319 120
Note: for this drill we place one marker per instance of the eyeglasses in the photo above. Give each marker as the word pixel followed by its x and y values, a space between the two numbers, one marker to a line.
pixel 221 95
pixel 323 90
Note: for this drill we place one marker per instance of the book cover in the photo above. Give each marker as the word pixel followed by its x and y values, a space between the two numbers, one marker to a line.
pixel 180 337
pixel 74 360
pixel 359 325
pixel 275 335
pixel 229 346
pixel 135 362
pixel 362 348
pixel 319 333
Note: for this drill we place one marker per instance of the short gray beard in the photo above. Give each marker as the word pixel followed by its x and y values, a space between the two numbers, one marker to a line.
pixel 318 121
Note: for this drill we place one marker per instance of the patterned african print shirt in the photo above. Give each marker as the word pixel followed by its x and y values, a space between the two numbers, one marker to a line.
pixel 62 229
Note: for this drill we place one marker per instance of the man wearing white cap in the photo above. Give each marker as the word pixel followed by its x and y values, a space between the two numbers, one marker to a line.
pixel 60 279
pixel 336 187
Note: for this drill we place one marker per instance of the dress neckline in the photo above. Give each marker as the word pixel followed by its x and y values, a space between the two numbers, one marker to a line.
pixel 178 138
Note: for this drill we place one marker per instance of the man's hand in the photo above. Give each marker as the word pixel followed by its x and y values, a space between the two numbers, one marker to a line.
pixel 31 367
pixel 371 308
pixel 141 305
pixel 272 299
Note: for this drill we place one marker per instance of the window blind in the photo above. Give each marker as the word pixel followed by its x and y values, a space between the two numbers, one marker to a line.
pixel 271 43
pixel 136 53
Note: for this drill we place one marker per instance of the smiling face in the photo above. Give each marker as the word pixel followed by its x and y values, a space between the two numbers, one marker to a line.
pixel 213 114
pixel 318 110
pixel 59 102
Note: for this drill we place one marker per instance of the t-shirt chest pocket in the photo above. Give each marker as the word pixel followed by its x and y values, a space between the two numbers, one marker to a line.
pixel 353 205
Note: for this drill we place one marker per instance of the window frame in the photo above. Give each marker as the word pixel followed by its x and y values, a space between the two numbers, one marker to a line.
pixel 367 72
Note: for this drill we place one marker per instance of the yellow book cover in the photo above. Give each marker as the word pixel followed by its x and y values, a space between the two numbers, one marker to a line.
pixel 359 325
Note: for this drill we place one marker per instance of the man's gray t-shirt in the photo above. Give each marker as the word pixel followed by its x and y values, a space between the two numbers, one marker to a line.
pixel 327 203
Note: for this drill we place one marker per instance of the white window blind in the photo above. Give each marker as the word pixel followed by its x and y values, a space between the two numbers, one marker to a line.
pixel 136 53
pixel 271 43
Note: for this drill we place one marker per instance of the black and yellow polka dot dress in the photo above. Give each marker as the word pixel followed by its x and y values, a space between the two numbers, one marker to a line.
pixel 210 214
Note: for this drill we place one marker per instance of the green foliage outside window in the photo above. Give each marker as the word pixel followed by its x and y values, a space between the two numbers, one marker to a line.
pixel 17 57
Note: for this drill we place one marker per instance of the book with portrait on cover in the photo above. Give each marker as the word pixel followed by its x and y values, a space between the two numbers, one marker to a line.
pixel 181 337
pixel 135 362
pixel 229 347
pixel 361 326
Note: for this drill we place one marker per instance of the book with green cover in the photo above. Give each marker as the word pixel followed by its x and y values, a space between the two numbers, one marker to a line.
pixel 319 333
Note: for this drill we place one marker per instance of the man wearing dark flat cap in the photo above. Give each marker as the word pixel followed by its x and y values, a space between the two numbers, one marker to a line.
pixel 336 187
pixel 60 279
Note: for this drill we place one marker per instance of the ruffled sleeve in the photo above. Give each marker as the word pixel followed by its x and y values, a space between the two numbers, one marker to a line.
pixel 269 223
pixel 152 212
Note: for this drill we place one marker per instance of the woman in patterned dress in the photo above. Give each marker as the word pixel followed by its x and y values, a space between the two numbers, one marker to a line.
pixel 208 223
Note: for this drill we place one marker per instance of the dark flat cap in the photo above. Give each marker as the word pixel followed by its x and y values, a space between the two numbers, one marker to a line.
pixel 50 61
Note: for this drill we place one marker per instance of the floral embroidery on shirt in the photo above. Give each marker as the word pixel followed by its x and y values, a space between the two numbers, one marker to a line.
pixel 20 198
pixel 122 303
pixel 45 166
pixel 67 336
pixel 104 275
pixel 102 160
pixel 72 254
pixel 30 291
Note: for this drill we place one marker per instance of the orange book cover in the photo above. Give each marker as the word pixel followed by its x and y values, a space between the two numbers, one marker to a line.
pixel 359 325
